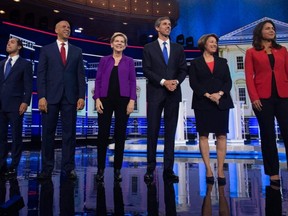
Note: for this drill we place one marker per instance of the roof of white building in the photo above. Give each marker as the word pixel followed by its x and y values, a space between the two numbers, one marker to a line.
pixel 244 34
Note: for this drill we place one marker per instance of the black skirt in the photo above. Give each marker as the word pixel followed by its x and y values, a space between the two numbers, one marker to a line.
pixel 212 121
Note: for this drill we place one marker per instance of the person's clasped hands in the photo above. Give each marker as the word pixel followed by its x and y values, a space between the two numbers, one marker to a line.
pixel 215 97
pixel 171 85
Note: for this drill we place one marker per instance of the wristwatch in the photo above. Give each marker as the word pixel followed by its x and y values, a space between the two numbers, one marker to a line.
pixel 221 93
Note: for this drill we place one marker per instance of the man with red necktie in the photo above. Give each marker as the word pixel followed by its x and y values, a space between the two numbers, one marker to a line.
pixel 61 88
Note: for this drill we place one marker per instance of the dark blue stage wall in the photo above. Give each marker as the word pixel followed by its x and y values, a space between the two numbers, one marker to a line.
pixel 224 16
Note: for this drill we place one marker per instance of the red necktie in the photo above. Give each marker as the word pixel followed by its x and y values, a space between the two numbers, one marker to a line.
pixel 63 53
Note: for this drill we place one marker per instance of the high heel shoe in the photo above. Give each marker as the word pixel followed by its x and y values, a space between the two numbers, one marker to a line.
pixel 210 180
pixel 221 181
pixel 100 176
pixel 117 175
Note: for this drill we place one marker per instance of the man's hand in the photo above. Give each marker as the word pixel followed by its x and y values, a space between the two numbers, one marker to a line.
pixel 170 85
pixel 42 105
pixel 80 104
pixel 22 109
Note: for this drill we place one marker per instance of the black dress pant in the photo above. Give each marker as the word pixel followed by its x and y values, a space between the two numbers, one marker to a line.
pixel 16 123
pixel 272 107
pixel 154 111
pixel 49 123
pixel 119 107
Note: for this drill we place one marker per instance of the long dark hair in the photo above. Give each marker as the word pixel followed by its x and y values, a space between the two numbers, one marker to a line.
pixel 257 36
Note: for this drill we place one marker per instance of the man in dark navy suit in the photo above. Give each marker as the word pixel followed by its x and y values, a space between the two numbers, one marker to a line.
pixel 164 65
pixel 61 89
pixel 16 78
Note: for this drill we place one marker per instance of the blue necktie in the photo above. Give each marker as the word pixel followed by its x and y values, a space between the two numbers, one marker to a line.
pixel 8 68
pixel 165 52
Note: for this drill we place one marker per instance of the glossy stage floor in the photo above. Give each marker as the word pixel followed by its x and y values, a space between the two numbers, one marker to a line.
pixel 247 191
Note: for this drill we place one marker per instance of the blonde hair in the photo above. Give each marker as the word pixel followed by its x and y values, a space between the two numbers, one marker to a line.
pixel 119 34
pixel 203 39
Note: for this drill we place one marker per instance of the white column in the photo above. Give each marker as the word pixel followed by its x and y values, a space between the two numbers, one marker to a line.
pixel 236 124
pixel 180 130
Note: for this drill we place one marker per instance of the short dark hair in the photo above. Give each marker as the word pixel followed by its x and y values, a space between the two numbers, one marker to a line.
pixel 257 36
pixel 203 39
pixel 19 42
pixel 158 21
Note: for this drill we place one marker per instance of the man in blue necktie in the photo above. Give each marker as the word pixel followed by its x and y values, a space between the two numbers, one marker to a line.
pixel 8 67
pixel 16 78
pixel 164 66
pixel 165 52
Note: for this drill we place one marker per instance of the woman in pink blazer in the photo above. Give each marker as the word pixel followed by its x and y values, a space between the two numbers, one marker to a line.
pixel 266 71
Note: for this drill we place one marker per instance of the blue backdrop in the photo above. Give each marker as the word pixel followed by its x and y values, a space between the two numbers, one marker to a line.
pixel 224 16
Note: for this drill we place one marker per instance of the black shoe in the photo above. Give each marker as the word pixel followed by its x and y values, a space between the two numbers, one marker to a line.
pixel 72 175
pixel 210 180
pixel 221 181
pixel 170 176
pixel 117 176
pixel 44 176
pixel 149 177
pixel 11 173
pixel 99 176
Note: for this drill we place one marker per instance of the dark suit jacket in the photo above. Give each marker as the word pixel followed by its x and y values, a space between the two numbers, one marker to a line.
pixel 54 79
pixel 258 73
pixel 17 87
pixel 155 69
pixel 202 81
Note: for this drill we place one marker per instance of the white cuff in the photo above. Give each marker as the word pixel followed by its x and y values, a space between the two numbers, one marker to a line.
pixel 162 82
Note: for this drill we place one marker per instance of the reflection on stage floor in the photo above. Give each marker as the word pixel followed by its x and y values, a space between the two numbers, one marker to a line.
pixel 247 190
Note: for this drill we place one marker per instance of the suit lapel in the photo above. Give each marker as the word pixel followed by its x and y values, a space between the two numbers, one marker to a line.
pixel 14 67
pixel 204 65
pixel 2 69
pixel 57 51
pixel 158 51
pixel 70 48
pixel 215 64
pixel 172 52
pixel 2 66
